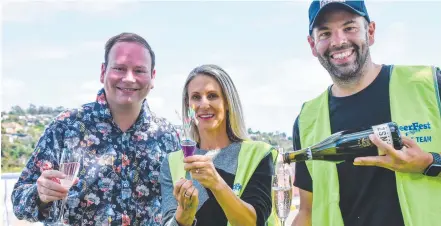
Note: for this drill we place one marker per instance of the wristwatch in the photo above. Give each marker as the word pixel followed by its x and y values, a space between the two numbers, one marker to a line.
pixel 434 169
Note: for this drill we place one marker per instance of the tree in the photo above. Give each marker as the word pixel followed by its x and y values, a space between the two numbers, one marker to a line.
pixel 250 131
pixel 17 110
pixel 5 144
pixel 45 110
pixel 58 110
pixel 32 109
pixel 42 110
pixel 283 135
pixel 35 132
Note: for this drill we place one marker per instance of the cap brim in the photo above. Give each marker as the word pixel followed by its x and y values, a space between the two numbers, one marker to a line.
pixel 343 5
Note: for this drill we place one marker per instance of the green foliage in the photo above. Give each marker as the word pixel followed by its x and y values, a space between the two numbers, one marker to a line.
pixel 273 138
pixel 14 155
pixel 16 149
pixel 17 110
pixel 34 110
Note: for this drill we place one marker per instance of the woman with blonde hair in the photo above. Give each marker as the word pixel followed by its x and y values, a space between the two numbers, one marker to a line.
pixel 228 179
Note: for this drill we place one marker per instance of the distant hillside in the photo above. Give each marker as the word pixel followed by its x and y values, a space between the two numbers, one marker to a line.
pixel 273 138
pixel 22 128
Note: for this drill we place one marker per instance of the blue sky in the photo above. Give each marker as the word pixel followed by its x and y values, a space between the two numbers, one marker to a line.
pixel 52 51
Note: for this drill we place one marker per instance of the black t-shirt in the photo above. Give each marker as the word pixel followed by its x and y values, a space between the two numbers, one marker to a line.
pixel 368 194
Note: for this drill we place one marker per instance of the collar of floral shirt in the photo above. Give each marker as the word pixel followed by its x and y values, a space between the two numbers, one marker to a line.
pixel 101 108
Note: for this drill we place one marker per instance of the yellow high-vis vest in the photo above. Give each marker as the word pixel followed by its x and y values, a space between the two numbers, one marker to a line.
pixel 414 98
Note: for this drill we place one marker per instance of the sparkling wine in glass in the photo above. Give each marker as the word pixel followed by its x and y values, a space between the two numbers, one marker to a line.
pixel 282 202
pixel 282 190
pixel 70 169
pixel 70 166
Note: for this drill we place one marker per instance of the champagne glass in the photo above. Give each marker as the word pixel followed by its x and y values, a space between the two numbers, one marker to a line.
pixel 188 147
pixel 187 143
pixel 282 189
pixel 69 165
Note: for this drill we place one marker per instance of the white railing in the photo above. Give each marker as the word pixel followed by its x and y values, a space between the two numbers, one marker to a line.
pixel 8 182
pixel 7 178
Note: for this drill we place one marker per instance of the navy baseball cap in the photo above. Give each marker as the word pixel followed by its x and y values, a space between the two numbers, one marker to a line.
pixel 318 6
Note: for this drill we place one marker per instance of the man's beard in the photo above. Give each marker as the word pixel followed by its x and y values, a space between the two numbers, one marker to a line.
pixel 348 73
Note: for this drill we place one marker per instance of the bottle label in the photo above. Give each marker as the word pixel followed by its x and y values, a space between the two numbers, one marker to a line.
pixel 383 131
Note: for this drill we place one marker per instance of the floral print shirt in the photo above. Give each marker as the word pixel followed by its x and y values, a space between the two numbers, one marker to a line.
pixel 119 171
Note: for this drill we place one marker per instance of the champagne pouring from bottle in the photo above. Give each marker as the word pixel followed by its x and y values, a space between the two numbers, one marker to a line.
pixel 348 144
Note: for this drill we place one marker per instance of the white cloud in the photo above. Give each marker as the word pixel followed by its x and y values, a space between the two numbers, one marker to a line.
pixel 51 53
pixel 390 44
pixel 38 10
pixel 165 98
pixel 11 92
pixel 156 102
pixel 11 87
pixel 86 93
pixel 91 86
pixel 20 12
pixel 92 45
pixel 93 7
pixel 17 56
pixel 43 51
pixel 273 95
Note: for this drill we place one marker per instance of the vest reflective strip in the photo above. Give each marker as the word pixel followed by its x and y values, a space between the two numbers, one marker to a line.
pixel 414 101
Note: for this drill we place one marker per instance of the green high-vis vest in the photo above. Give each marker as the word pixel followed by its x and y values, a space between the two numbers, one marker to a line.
pixel 414 99
pixel 250 155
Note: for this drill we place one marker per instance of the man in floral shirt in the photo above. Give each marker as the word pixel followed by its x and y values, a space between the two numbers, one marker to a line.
pixel 122 145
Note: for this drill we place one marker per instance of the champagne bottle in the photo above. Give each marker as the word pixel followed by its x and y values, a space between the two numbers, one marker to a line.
pixel 348 144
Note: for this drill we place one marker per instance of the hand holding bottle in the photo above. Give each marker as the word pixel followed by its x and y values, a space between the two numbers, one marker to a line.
pixel 411 159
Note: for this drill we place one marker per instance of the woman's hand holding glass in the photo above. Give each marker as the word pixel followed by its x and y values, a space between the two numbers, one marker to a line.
pixel 186 195
pixel 202 169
